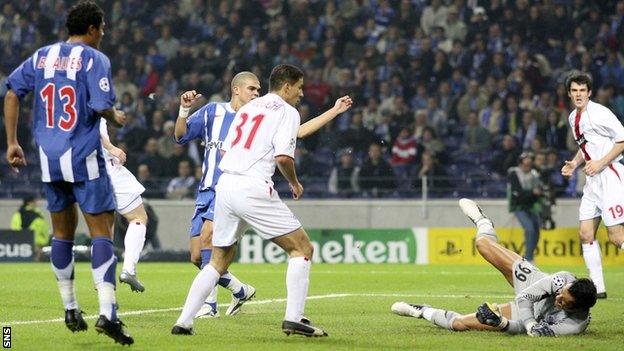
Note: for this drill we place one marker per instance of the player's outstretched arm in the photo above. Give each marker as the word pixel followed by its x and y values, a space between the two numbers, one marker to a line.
pixel 311 126
pixel 15 154
pixel 186 101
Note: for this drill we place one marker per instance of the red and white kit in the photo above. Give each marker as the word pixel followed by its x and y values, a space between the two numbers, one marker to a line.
pixel 127 188
pixel 262 129
pixel 596 131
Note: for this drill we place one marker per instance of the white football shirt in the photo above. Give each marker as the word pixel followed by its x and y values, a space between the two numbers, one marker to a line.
pixel 596 131
pixel 264 128
pixel 111 161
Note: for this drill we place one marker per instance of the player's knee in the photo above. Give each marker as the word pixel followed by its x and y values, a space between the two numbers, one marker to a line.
pixel 586 236
pixel 307 250
pixel 196 260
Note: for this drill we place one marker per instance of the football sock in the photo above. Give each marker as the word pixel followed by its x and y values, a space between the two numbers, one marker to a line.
pixel 593 261
pixel 205 257
pixel 514 327
pixel 297 281
pixel 103 264
pixel 440 317
pixel 486 229
pixel 62 260
pixel 230 282
pixel 204 283
pixel 133 243
pixel 211 299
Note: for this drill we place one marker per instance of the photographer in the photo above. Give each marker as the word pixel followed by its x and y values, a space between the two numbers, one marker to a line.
pixel 549 197
pixel 524 191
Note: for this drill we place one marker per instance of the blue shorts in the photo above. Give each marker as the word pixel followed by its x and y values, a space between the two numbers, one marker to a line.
pixel 93 196
pixel 204 210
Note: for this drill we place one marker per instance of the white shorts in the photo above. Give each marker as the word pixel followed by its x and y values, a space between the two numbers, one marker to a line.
pixel 127 188
pixel 243 202
pixel 524 275
pixel 603 196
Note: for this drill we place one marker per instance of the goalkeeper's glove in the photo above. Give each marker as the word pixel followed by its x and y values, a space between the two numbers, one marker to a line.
pixel 488 314
pixel 541 329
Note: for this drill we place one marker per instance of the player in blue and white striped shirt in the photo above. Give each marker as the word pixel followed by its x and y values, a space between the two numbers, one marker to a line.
pixel 72 87
pixel 210 124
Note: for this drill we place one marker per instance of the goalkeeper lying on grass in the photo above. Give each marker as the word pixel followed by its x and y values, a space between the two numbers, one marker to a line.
pixel 545 304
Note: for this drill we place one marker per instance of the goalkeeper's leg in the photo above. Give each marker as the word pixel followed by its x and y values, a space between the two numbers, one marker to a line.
pixel 499 319
pixel 487 241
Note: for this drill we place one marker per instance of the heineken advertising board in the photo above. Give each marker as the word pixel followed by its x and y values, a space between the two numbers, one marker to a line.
pixel 345 246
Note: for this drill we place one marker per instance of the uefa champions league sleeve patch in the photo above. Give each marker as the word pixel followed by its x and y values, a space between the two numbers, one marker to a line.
pixel 104 85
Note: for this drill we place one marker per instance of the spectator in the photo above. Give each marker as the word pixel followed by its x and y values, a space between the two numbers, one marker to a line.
pixel 151 158
pixel 376 175
pixel 405 152
pixel 524 193
pixel 507 156
pixel 434 173
pixel 152 188
pixel 179 154
pixel 181 186
pixel 473 101
pixel 344 177
pixel 476 137
pixel 30 217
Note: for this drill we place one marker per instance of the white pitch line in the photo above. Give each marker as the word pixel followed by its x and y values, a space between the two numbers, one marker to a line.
pixel 267 301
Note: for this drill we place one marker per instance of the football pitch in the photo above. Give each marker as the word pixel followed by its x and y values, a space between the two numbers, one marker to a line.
pixel 352 303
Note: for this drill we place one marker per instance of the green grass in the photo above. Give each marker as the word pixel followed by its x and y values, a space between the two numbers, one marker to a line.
pixel 358 320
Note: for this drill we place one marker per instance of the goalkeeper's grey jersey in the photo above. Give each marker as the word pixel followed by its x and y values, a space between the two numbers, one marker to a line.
pixel 536 304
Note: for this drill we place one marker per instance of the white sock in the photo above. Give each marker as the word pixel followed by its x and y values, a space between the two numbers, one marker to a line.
pixel 106 297
pixel 68 294
pixel 231 283
pixel 297 281
pixel 212 297
pixel 439 317
pixel 133 242
pixel 593 261
pixel 204 283
pixel 485 228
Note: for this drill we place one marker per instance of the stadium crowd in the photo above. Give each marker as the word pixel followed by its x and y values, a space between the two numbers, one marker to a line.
pixel 447 91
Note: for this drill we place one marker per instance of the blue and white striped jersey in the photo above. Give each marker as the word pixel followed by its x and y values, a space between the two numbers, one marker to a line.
pixel 211 124
pixel 70 81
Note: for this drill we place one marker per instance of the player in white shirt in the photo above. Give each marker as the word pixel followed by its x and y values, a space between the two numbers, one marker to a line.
pixel 600 136
pixel 129 204
pixel 545 304
pixel 262 135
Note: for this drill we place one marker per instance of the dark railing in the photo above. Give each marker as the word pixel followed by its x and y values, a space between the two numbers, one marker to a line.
pixel 479 186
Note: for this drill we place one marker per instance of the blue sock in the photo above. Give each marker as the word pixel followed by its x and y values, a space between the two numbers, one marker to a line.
pixel 205 257
pixel 62 260
pixel 103 264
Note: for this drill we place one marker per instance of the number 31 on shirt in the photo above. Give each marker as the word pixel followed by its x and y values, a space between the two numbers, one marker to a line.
pixel 257 120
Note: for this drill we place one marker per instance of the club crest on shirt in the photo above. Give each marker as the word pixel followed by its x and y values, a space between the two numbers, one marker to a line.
pixel 292 142
pixel 104 85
